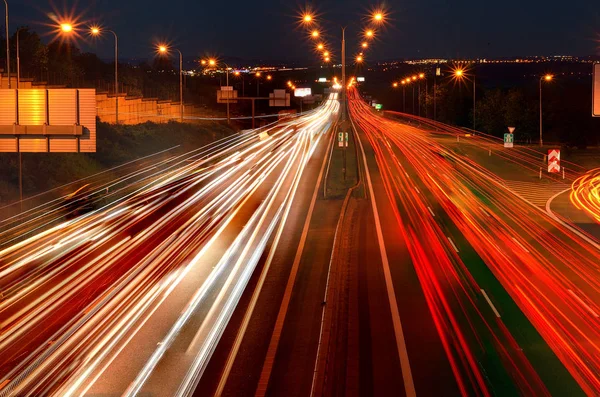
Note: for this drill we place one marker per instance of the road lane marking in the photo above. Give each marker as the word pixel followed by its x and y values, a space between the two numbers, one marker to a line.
pixel 429 208
pixel 409 385
pixel 589 309
pixel 417 189
pixel 487 298
pixel 484 211
pixel 453 245
pixel 520 245
pixel 263 382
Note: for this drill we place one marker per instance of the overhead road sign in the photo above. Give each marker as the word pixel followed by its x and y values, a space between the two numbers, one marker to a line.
pixel 302 92
pixel 279 98
pixel 227 94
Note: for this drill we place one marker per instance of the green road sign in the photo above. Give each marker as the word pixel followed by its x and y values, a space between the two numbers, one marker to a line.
pixel 378 106
pixel 509 140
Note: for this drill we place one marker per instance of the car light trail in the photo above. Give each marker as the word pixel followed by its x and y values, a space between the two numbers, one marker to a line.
pixel 535 259
pixel 585 194
pixel 76 295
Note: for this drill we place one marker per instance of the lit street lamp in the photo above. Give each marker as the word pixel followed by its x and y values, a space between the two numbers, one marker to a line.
pixel 163 49
pixel 213 63
pixel 460 74
pixel 546 78
pixel 95 31
pixel 7 43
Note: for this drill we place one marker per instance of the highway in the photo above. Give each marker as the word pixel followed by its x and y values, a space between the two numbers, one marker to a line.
pixel 147 283
pixel 278 262
pixel 512 293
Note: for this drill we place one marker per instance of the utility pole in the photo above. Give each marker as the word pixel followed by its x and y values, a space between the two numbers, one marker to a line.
pixel 344 73
pixel 7 45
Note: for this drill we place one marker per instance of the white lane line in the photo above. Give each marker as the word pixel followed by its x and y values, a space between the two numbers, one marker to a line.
pixel 267 368
pixel 520 245
pixel 429 208
pixel 409 385
pixel 453 245
pixel 487 298
pixel 417 189
pixel 589 309
pixel 484 211
pixel 408 176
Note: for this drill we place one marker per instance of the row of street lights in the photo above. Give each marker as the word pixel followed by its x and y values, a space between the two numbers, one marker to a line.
pixel 460 74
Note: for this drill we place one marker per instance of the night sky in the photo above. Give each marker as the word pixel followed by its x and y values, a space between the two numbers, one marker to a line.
pixel 266 29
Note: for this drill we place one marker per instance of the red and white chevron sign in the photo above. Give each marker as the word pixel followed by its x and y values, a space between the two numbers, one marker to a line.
pixel 553 160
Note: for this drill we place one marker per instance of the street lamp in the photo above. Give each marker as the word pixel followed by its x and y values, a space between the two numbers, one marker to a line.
pixel 359 59
pixel 96 31
pixel 66 27
pixel 213 63
pixel 460 74
pixel 547 78
pixel 257 83
pixel 421 76
pixel 315 33
pixel 364 44
pixel 7 43
pixel 163 49
pixel 369 33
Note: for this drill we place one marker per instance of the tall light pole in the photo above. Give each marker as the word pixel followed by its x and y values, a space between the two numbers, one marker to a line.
pixel 96 31
pixel 257 75
pixel 18 60
pixel 403 96
pixel 344 73
pixel 213 63
pixel 163 49
pixel 547 78
pixel 7 44
pixel 460 74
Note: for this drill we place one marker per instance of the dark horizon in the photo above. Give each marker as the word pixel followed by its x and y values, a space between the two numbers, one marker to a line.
pixel 428 29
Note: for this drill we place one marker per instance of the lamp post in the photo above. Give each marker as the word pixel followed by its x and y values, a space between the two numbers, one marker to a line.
pixel 18 60
pixel 460 73
pixel 546 78
pixel 7 44
pixel 403 96
pixel 96 31
pixel 257 75
pixel 213 63
pixel 163 49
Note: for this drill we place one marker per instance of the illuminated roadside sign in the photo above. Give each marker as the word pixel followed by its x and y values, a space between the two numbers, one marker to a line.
pixel 37 120
pixel 360 79
pixel 596 91
pixel 302 92
pixel 322 79
pixel 378 106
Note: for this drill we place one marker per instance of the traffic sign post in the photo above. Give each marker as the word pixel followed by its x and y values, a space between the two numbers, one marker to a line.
pixel 554 160
pixel 596 91
pixel 509 138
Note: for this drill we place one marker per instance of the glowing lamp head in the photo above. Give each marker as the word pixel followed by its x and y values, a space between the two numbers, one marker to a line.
pixel 414 78
pixel 320 46
pixel 212 62
pixel 289 83
pixel 66 27
pixel 378 17
pixel 258 74
pixel 236 73
pixel 326 59
pixel 269 77
pixel 369 33
pixel 95 30
pixel 359 58
pixel 315 33
pixel 459 73
pixel 421 75
pixel 364 45
pixel 162 49
pixel 326 54
pixel 403 82
pixel 548 77
pixel 395 85
pixel 307 18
